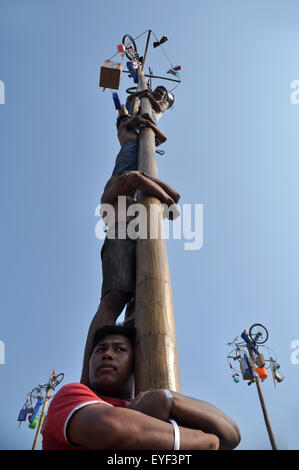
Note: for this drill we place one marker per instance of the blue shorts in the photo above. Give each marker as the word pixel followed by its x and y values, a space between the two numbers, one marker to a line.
pixel 126 159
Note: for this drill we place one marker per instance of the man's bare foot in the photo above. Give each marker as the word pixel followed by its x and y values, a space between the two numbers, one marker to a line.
pixel 176 197
pixel 171 212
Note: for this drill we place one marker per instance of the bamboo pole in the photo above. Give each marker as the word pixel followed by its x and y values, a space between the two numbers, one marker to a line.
pixel 263 405
pixel 156 364
pixel 42 416
pixel 146 49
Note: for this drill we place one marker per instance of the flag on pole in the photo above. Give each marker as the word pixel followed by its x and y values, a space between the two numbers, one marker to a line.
pixel 121 50
pixel 174 72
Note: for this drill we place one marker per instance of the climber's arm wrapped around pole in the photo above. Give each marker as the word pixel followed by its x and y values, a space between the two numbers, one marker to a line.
pixel 188 412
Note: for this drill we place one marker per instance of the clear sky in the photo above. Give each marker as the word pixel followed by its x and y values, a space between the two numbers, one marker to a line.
pixel 232 146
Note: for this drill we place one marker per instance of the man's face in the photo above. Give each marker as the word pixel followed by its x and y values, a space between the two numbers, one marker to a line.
pixel 159 94
pixel 111 366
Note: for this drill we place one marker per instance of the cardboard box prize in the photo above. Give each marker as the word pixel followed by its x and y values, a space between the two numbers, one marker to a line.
pixel 110 75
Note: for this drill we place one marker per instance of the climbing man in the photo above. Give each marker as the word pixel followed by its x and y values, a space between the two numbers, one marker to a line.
pixel 105 416
pixel 122 182
pixel 160 101
pixel 118 253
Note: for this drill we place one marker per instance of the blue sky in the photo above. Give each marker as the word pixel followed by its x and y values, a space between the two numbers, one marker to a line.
pixel 232 146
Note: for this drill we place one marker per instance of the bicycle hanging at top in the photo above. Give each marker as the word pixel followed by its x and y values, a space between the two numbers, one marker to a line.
pixel 248 361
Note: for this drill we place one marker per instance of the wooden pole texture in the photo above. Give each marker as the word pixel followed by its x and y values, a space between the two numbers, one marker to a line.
pixel 146 49
pixel 263 405
pixel 42 416
pixel 156 355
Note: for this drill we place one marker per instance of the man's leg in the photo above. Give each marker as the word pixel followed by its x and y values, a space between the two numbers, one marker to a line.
pixel 111 306
pixel 133 180
pixel 146 120
pixel 118 273
pixel 130 313
pixel 134 106
pixel 123 185
pixel 166 187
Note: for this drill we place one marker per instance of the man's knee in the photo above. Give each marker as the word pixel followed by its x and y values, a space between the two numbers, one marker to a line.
pixel 132 178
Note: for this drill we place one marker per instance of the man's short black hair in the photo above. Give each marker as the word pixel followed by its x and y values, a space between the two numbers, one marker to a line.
pixel 123 330
pixel 122 116
pixel 161 88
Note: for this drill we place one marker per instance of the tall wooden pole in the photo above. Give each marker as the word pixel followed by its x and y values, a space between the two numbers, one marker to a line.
pixel 156 350
pixel 263 405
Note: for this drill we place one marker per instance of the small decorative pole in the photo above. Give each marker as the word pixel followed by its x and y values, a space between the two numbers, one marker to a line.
pixel 43 412
pixel 263 405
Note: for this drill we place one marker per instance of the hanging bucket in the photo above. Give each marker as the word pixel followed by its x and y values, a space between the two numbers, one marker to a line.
pixel 278 376
pixel 34 422
pixel 262 372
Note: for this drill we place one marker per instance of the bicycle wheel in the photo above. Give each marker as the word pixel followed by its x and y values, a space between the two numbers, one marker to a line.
pixel 258 333
pixel 130 46
pixel 131 90
pixel 56 380
pixel 36 393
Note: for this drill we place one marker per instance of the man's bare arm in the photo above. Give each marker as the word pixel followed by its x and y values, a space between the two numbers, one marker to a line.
pixel 123 129
pixel 110 194
pixel 189 412
pixel 146 120
pixel 156 105
pixel 103 427
pixel 200 414
pixel 134 104
pixel 164 105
